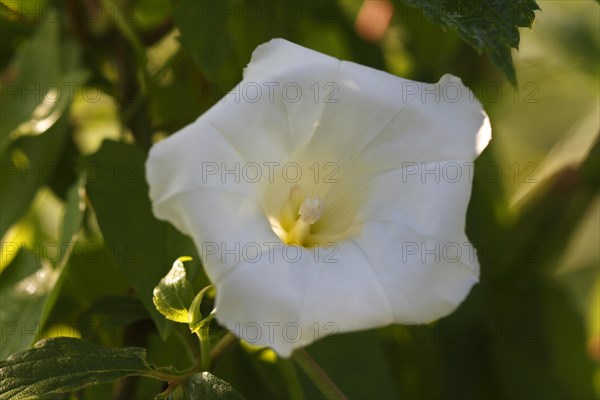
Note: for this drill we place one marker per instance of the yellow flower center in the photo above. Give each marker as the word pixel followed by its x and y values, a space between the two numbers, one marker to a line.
pixel 307 221
pixel 310 212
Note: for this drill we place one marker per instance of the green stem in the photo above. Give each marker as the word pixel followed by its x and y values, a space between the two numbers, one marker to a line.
pixel 139 51
pixel 288 369
pixel 228 342
pixel 188 342
pixel 208 359
pixel 317 375
pixel 204 346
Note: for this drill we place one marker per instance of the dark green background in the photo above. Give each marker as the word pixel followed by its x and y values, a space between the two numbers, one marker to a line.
pixel 81 251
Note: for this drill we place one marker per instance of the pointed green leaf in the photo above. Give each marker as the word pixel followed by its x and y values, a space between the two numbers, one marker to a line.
pixel 208 387
pixel 487 25
pixel 195 317
pixel 65 364
pixel 174 293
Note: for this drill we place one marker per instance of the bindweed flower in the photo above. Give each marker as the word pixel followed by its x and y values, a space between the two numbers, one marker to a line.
pixel 326 196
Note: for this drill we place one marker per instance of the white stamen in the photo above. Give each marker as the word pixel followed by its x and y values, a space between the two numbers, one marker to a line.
pixel 311 210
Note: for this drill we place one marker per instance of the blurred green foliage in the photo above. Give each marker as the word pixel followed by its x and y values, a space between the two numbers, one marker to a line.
pixel 89 85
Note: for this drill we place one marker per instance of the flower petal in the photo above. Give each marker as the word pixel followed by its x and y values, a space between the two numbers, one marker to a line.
pixel 371 111
pixel 425 278
pixel 287 304
pixel 384 120
pixel 377 279
pixel 253 130
pixel 194 158
pixel 407 259
pixel 429 198
pixel 274 105
pixel 259 300
pixel 224 226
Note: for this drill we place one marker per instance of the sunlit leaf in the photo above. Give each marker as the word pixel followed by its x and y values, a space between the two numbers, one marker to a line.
pixel 174 294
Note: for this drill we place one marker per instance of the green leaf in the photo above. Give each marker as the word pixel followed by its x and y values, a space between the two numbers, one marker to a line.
pixel 71 223
pixel 208 40
pixel 487 25
pixel 148 14
pixel 174 293
pixel 65 364
pixel 25 286
pixel 163 96
pixel 90 276
pixel 17 9
pixel 208 387
pixel 73 215
pixel 142 246
pixel 40 95
pixel 195 317
pixel 30 285
pixel 27 169
pixel 220 36
pixel 66 171
pixel 555 208
pixel 116 310
pixel 221 45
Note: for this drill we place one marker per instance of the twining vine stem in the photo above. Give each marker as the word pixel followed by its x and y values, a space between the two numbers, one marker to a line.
pixel 317 375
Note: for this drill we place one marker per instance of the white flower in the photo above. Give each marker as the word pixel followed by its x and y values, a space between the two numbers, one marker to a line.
pixel 326 196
